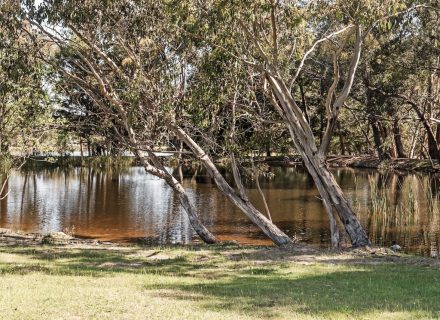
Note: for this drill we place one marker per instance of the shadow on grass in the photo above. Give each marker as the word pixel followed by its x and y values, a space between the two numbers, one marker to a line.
pixel 95 262
pixel 240 285
pixel 370 289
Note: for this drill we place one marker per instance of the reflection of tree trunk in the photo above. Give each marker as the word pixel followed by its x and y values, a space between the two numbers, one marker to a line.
pixel 194 176
pixel 4 202
pixel 400 181
pixel 90 179
pixel 34 180
pixel 169 220
pixel 434 182
pixel 23 192
pixel 260 191
pixel 433 233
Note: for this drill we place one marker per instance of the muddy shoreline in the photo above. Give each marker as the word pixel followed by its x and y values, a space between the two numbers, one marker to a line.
pixel 303 253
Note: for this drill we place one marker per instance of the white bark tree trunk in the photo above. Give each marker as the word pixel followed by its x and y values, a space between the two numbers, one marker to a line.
pixel 269 229
pixel 331 194
pixel 159 171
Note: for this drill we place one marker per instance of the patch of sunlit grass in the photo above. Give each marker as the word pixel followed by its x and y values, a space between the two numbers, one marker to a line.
pixel 207 283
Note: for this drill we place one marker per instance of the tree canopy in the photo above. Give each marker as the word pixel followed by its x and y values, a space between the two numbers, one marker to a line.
pixel 226 79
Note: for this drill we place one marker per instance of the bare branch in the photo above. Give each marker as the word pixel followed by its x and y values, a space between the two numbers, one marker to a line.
pixel 301 65
pixel 352 70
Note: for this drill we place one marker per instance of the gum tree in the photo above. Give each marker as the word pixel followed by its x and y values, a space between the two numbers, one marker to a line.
pixel 124 59
pixel 277 38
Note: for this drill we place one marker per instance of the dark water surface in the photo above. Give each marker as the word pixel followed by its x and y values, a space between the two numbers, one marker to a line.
pixel 401 208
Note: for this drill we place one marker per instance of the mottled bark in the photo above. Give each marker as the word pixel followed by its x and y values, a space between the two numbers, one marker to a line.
pixel 269 229
pixel 331 194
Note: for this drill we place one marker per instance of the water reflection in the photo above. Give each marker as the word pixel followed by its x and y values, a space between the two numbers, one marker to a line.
pixel 401 208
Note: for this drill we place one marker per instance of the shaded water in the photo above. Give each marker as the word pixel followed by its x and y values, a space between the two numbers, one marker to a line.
pixel 134 205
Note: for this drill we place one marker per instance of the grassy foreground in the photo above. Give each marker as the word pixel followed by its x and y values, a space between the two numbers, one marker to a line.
pixel 219 282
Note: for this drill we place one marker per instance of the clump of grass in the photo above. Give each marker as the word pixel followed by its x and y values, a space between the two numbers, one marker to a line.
pixel 380 208
pixel 433 201
pixel 47 239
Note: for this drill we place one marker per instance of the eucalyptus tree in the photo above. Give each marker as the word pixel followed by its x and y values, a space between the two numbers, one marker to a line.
pixel 23 102
pixel 393 91
pixel 128 62
pixel 95 56
pixel 277 39
pixel 25 115
pixel 408 81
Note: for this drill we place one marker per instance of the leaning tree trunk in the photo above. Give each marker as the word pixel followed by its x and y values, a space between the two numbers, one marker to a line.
pixel 433 144
pixel 331 193
pixel 157 169
pixel 433 147
pixel 122 116
pixel 269 229
pixel 189 208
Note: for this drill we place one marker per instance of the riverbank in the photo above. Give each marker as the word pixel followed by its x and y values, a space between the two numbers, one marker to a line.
pixel 68 278
pixel 365 162
pixel 361 161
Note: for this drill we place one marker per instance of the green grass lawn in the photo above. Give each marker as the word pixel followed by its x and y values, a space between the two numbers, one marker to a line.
pixel 53 282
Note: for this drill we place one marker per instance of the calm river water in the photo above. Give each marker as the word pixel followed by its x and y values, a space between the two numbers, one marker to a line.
pixel 132 205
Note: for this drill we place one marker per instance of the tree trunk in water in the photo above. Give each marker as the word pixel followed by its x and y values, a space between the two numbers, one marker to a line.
pixel 158 171
pixel 328 188
pixel 269 229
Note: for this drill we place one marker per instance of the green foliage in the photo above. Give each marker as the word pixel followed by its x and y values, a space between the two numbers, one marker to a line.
pixel 189 63
pixel 24 111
